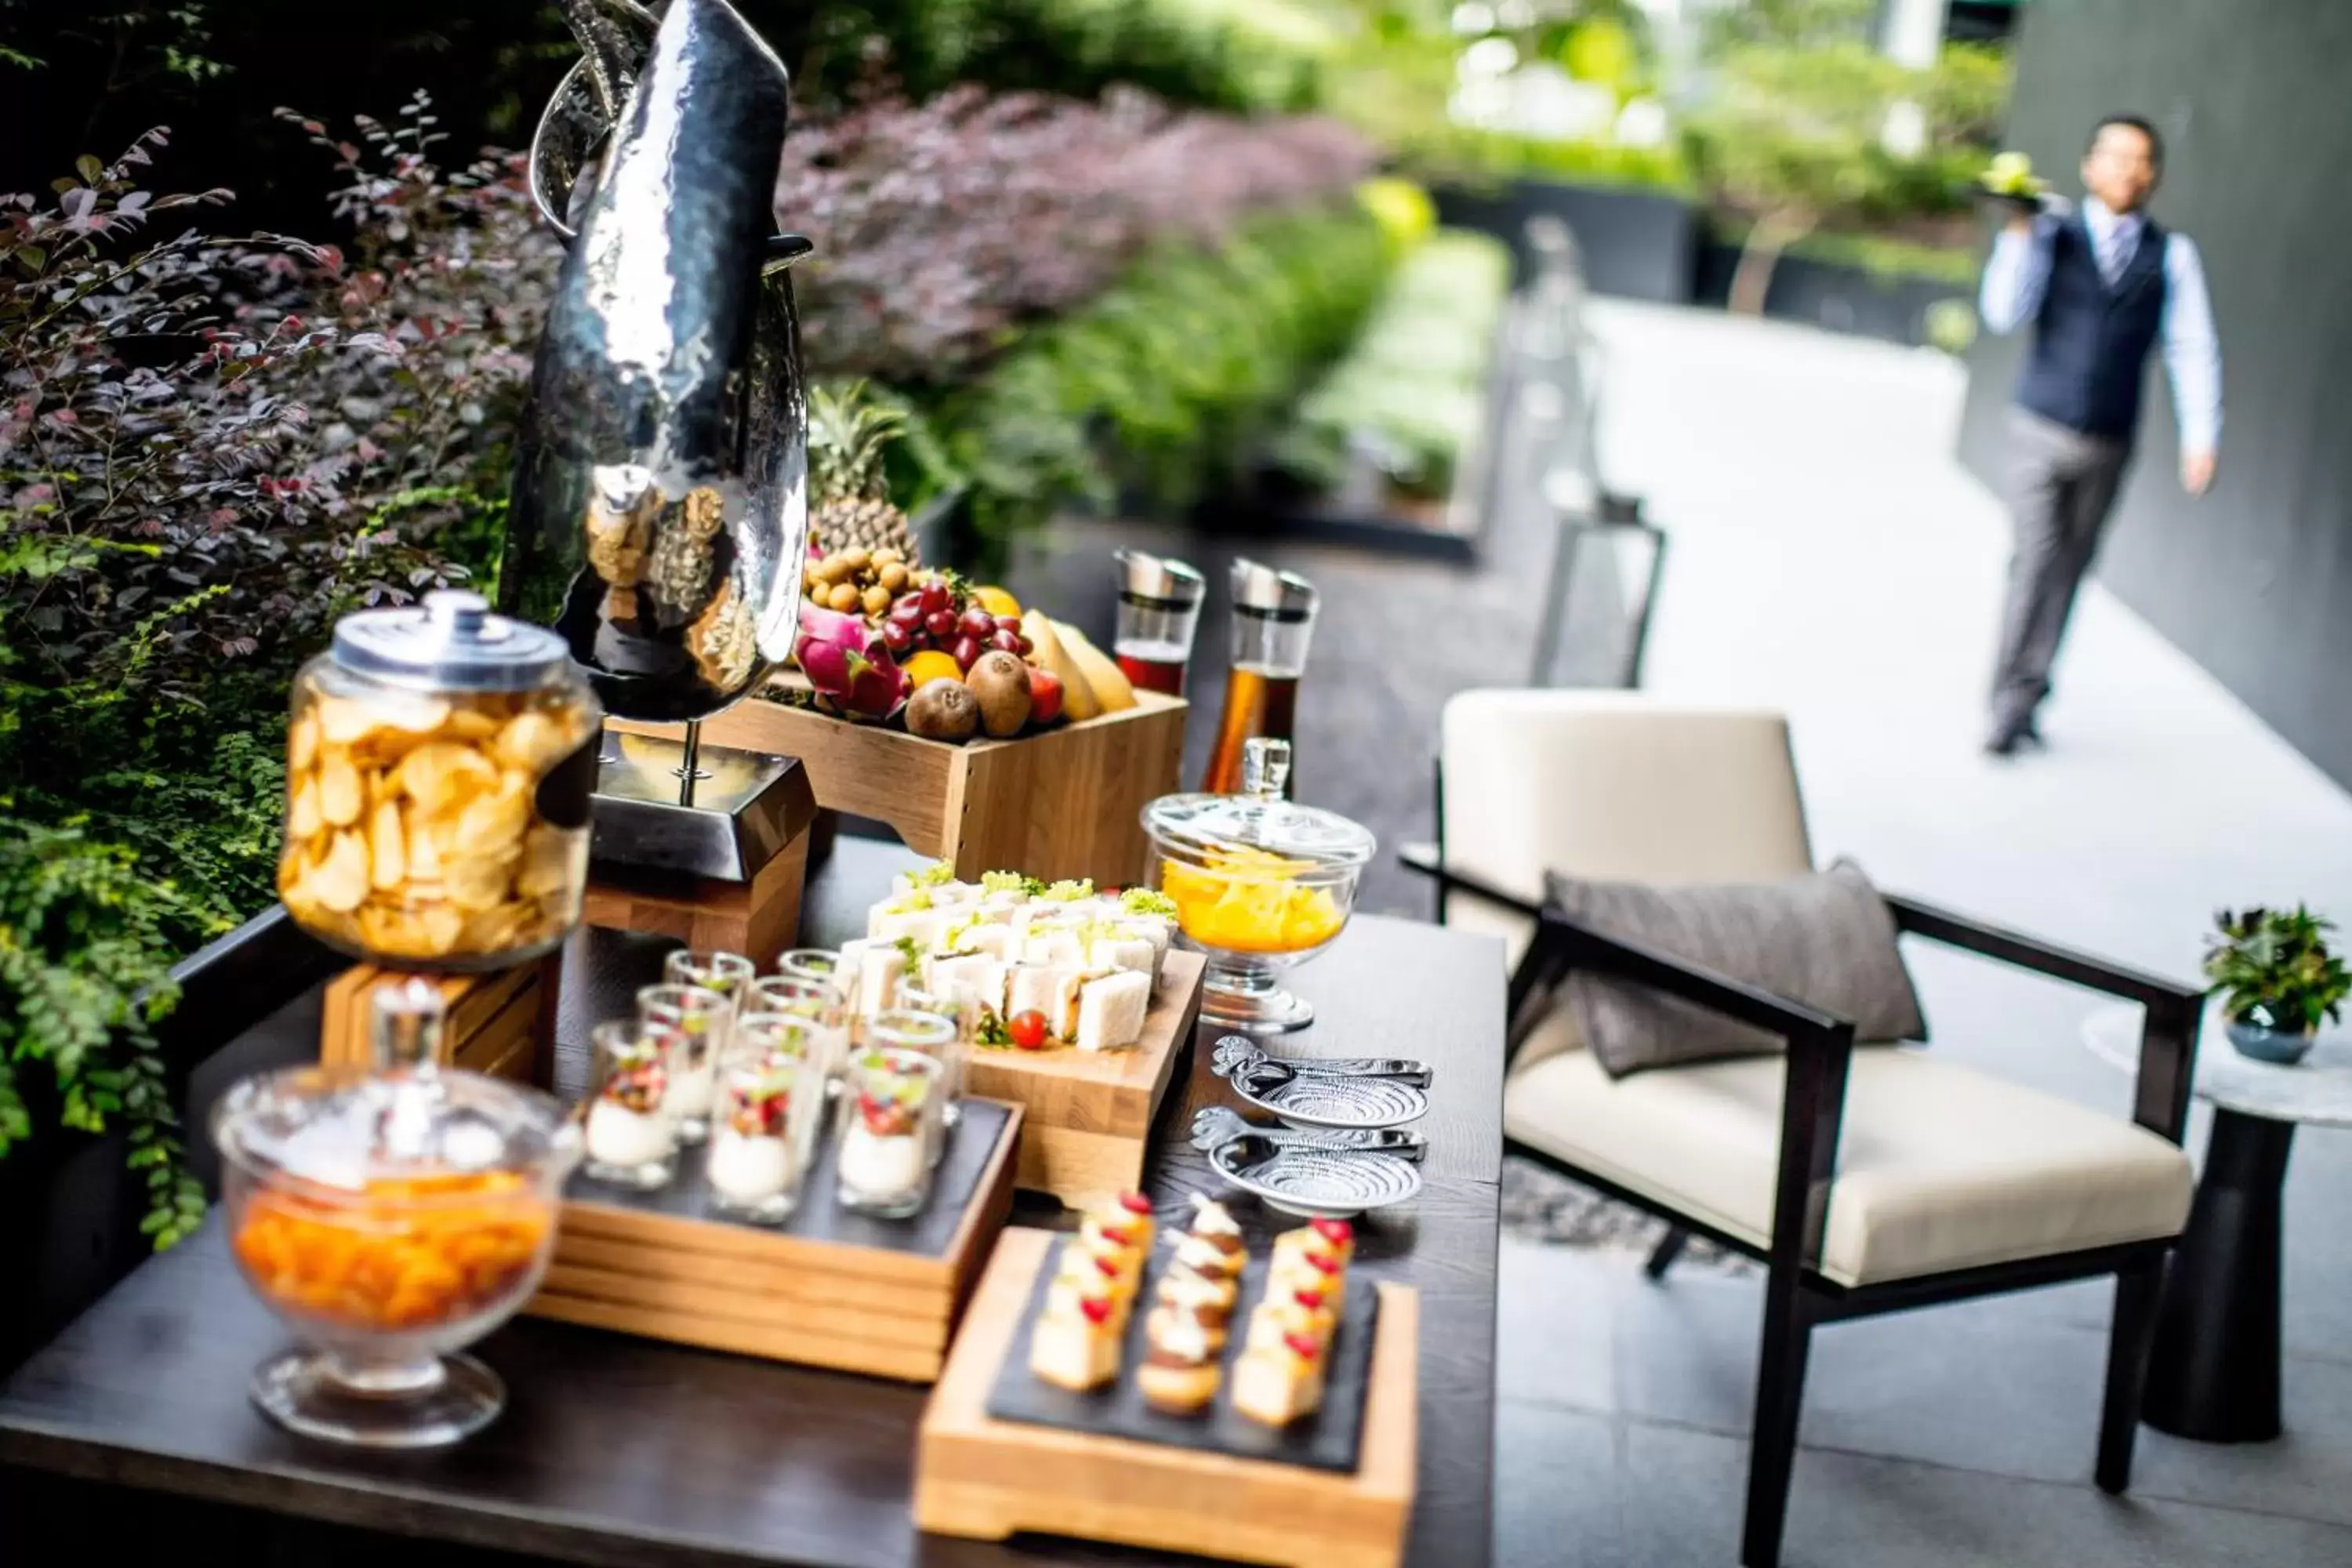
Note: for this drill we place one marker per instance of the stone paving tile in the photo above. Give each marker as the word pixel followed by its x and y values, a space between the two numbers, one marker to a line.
pixel 1683 1491
pixel 1556 1490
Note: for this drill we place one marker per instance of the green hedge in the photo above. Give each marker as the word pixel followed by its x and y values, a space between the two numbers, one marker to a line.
pixel 1160 389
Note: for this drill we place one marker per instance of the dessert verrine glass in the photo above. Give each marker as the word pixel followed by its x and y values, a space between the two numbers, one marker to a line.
pixel 702 1018
pixel 889 1122
pixel 1259 884
pixel 391 1215
pixel 770 1091
pixel 820 963
pixel 628 1130
pixel 818 1007
pixel 930 1024
pixel 726 973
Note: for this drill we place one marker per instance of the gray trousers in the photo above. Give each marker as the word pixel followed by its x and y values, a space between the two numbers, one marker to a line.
pixel 2061 484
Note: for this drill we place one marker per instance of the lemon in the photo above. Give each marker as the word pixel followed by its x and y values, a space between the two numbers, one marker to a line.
pixel 996 601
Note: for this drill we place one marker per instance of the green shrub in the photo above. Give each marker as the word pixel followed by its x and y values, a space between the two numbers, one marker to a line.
pixel 1412 389
pixel 1157 390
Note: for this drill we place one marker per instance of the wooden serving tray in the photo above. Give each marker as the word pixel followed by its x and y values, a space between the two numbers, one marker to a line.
pixel 1063 802
pixel 826 1288
pixel 976 1476
pixel 1090 1113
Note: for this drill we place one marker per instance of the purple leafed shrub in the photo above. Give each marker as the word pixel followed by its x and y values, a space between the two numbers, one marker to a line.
pixel 941 228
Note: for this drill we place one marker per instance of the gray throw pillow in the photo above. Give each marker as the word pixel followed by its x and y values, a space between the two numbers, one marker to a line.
pixel 1826 939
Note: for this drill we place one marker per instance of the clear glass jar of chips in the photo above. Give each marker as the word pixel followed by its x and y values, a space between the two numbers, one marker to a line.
pixel 438 767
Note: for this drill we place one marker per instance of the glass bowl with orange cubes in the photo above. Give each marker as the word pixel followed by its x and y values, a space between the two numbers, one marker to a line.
pixel 1259 884
pixel 390 1215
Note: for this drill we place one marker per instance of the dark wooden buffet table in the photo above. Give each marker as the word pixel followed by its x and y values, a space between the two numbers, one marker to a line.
pixel 623 1451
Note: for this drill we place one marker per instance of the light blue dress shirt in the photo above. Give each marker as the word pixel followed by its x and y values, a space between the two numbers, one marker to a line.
pixel 2017 276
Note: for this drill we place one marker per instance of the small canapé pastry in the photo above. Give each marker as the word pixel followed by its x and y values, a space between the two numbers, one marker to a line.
pixel 1108 1227
pixel 1077 1347
pixel 1180 1281
pixel 1199 1301
pixel 1334 1237
pixel 1311 1269
pixel 1301 1312
pixel 1087 1271
pixel 1279 1385
pixel 1179 1373
pixel 1111 1010
pixel 1213 1244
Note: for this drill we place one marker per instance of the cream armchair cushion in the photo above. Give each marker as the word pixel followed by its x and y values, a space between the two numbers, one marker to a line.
pixel 1939 1167
pixel 1612 785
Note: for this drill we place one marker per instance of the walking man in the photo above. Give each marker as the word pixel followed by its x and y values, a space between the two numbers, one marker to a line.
pixel 2102 284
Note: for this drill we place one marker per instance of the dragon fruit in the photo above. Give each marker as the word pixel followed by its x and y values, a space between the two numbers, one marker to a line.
pixel 847 663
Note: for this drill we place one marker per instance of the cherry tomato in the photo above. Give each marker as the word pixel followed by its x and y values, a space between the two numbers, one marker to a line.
pixel 1027 1029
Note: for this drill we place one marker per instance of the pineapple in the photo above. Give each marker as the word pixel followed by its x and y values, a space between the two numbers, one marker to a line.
pixel 848 433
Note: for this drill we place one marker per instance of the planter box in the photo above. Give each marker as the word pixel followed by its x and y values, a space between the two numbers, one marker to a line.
pixel 1065 802
pixel 1829 295
pixel 69 1211
pixel 1632 242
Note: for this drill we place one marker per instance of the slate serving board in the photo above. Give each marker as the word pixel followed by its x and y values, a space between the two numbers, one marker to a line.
pixel 819 1215
pixel 1328 1440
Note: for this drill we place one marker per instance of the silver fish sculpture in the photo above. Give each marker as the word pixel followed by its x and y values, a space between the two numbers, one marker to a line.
pixel 661 508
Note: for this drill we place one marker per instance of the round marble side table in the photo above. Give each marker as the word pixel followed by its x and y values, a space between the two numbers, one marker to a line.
pixel 2214 1373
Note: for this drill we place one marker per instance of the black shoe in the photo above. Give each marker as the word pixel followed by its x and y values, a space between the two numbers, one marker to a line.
pixel 2010 733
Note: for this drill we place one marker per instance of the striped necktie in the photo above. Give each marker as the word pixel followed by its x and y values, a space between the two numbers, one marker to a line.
pixel 2113 243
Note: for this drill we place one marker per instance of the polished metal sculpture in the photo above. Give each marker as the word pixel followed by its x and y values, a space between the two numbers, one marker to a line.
pixel 660 508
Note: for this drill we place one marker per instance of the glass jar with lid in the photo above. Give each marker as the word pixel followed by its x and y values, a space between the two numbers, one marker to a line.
pixel 1259 884
pixel 391 1215
pixel 438 768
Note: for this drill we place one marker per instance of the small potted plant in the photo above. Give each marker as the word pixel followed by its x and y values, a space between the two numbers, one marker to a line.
pixel 2276 980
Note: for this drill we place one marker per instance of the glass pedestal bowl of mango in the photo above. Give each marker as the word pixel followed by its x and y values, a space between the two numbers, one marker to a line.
pixel 1259 885
pixel 389 1220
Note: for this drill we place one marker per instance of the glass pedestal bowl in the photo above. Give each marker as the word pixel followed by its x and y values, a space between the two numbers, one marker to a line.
pixel 1259 885
pixel 391 1220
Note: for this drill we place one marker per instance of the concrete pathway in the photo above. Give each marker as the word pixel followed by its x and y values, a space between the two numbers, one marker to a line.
pixel 1831 560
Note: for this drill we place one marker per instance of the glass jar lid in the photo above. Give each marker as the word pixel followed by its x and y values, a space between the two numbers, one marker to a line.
pixel 1260 820
pixel 341 1128
pixel 450 642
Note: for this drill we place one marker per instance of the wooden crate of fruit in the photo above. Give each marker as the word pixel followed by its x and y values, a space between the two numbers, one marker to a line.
pixel 1063 802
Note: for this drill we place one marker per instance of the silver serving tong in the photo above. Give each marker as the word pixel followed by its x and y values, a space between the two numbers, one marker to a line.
pixel 1239 1057
pixel 1215 1127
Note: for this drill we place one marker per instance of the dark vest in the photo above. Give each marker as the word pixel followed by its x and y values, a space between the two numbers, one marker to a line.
pixel 2091 341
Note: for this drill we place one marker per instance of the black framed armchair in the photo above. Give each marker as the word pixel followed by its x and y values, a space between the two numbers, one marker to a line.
pixel 1867 1179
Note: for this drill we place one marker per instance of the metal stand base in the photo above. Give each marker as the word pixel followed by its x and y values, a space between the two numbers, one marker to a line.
pixel 2214 1373
pixel 694 810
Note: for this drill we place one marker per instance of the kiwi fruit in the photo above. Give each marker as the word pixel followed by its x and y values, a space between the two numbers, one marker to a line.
pixel 943 709
pixel 1001 683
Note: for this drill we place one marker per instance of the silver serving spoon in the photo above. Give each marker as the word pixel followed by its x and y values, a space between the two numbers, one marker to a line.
pixel 1214 1127
pixel 1238 1056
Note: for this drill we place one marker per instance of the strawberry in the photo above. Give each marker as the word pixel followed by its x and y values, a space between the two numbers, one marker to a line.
pixel 1302 1347
pixel 1335 1231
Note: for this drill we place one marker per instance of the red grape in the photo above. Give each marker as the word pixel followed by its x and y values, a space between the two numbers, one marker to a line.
pixel 1008 622
pixel 965 650
pixel 976 623
pixel 898 637
pixel 1027 648
pixel 940 623
pixel 1010 642
pixel 935 598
